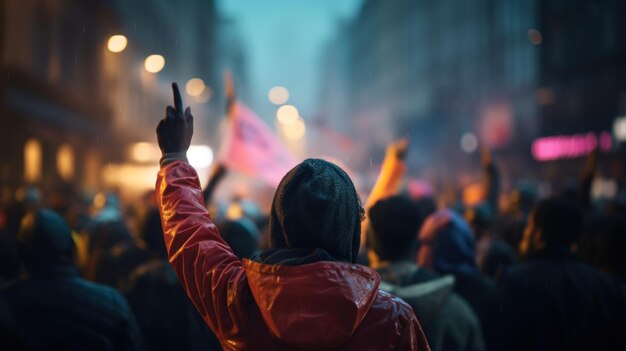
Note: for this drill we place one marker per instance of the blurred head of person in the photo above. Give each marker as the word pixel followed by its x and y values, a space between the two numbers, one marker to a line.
pixel 45 243
pixel 481 219
pixel 317 207
pixel 554 223
pixel 394 223
pixel 523 198
pixel 152 233
pixel 105 235
pixel 447 244
pixel 242 235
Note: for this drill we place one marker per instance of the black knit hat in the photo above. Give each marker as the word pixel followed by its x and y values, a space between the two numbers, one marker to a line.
pixel 317 207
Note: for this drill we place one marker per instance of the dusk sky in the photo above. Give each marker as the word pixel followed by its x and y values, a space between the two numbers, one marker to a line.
pixel 283 41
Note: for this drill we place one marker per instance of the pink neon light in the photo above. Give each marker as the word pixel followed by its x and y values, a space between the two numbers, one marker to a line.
pixel 571 146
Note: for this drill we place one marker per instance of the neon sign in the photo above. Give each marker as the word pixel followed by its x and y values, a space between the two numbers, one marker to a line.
pixel 569 146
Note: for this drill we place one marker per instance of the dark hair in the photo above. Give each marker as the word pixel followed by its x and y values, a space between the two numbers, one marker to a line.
pixel 241 235
pixel 152 233
pixel 559 220
pixel 394 225
pixel 45 242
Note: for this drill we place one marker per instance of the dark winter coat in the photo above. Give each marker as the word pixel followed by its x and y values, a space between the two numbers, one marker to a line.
pixel 56 309
pixel 561 303
pixel 448 321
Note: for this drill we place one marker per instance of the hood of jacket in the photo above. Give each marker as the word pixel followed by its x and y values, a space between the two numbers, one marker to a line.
pixel 425 296
pixel 312 306
pixel 45 243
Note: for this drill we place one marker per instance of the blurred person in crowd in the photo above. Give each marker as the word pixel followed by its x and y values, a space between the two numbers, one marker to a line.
pixel 9 259
pixel 56 309
pixel 114 253
pixel 557 301
pixel 305 291
pixel 493 254
pixel 164 313
pixel 448 246
pixel 9 335
pixel 603 244
pixel 510 224
pixel 242 235
pixel 448 321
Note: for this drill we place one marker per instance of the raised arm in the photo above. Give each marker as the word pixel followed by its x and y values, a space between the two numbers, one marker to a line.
pixel 204 263
pixel 388 181
pixel 492 181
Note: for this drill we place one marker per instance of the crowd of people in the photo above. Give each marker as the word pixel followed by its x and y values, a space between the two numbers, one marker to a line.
pixel 322 270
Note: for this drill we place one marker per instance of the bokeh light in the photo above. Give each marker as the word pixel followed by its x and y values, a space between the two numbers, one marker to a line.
pixel 206 95
pixel 287 115
pixel 200 156
pixel 65 162
pixel 469 143
pixel 117 43
pixel 295 130
pixel 154 63
pixel 195 87
pixel 278 95
pixel 32 160
pixel 535 36
pixel 144 152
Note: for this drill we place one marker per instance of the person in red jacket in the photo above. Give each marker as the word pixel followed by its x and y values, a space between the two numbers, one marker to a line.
pixel 306 292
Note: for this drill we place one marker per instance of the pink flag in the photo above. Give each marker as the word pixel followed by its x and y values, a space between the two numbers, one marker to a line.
pixel 251 148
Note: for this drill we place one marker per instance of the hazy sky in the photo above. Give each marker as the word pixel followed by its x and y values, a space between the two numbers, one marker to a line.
pixel 283 41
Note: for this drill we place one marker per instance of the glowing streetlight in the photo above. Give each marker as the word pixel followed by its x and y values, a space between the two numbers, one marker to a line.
pixel 154 63
pixel 195 87
pixel 287 115
pixel 117 43
pixel 278 95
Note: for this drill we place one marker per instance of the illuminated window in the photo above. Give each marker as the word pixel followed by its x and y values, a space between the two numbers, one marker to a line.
pixel 32 160
pixel 65 162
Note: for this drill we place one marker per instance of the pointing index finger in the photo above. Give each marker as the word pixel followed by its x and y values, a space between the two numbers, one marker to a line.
pixel 178 101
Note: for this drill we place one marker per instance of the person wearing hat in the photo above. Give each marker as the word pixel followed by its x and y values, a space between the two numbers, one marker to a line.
pixel 305 292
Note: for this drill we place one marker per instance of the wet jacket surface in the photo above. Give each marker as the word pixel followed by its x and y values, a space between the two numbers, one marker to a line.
pixel 254 306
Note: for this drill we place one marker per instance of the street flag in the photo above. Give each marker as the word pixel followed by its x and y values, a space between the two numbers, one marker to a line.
pixel 251 148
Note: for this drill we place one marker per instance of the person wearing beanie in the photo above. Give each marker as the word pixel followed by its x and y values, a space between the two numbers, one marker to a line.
pixel 448 321
pixel 448 246
pixel 306 292
pixel 56 309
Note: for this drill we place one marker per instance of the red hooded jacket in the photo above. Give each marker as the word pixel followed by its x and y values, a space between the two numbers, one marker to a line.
pixel 249 305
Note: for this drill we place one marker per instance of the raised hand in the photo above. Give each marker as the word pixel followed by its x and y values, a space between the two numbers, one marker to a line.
pixel 174 132
pixel 229 89
pixel 398 148
pixel 485 158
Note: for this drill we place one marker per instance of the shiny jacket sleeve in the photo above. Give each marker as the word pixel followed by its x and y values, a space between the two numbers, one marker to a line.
pixel 413 337
pixel 206 266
